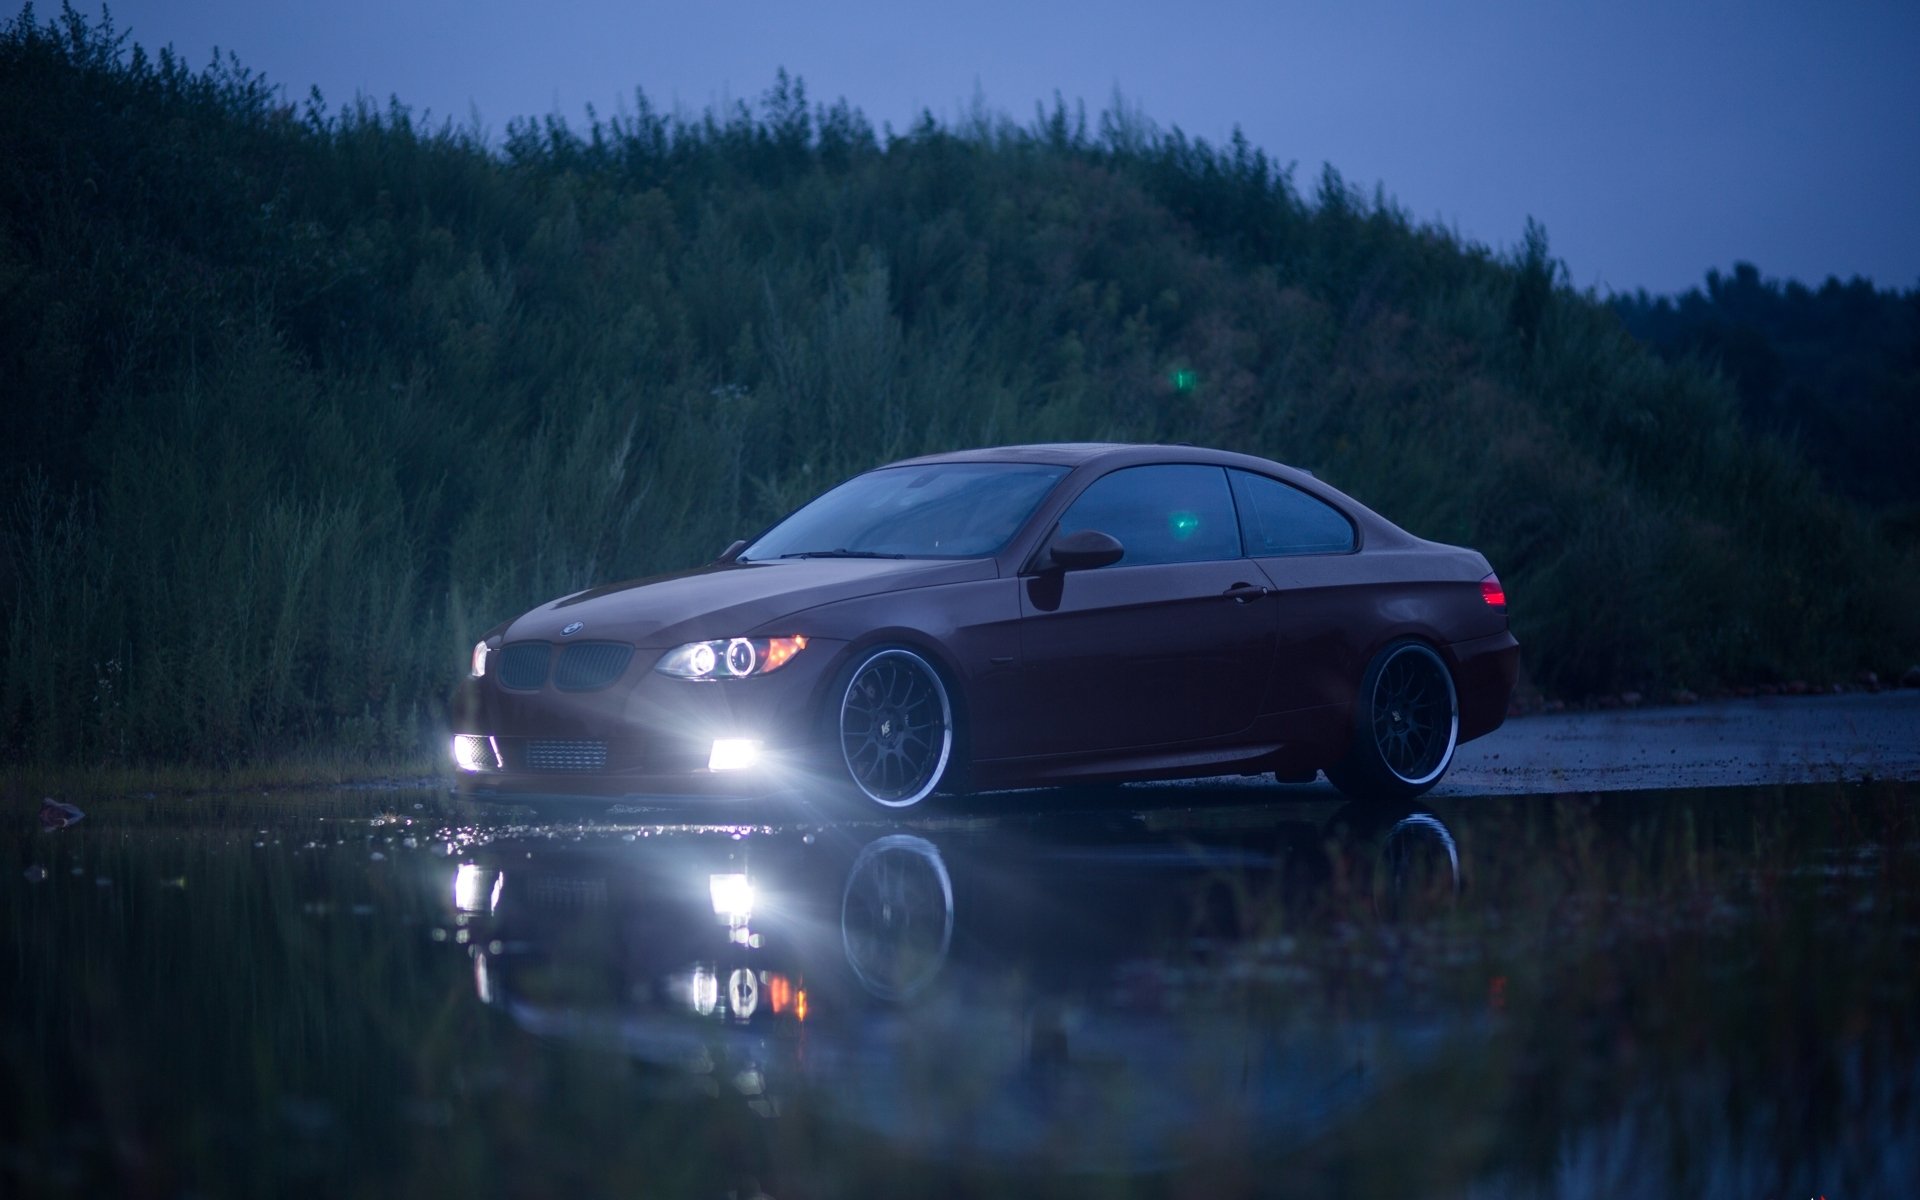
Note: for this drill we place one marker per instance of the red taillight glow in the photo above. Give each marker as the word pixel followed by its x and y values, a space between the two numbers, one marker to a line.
pixel 1492 592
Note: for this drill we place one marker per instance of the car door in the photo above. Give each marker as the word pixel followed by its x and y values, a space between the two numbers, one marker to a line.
pixel 1305 548
pixel 1169 645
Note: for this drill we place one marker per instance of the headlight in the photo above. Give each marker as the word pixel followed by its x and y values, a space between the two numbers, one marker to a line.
pixel 732 658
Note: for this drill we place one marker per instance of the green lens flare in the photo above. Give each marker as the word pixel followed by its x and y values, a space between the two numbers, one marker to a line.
pixel 1183 524
pixel 1184 379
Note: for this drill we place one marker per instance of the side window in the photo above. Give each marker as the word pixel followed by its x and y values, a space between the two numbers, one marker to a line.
pixel 1277 519
pixel 1163 514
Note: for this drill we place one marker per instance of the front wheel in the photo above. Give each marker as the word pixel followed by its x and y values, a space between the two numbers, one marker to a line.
pixel 1406 725
pixel 895 727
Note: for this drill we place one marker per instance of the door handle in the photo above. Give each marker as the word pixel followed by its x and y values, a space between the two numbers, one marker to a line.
pixel 1240 593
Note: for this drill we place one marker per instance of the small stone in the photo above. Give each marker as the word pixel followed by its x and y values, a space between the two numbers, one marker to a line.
pixel 1683 696
pixel 1870 680
pixel 1631 699
pixel 1797 688
pixel 1911 677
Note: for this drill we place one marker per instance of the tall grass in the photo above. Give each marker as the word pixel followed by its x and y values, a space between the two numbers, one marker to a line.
pixel 308 397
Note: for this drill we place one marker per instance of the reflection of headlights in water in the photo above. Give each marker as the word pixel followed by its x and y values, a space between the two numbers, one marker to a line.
pixel 896 916
pixel 732 898
pixel 743 994
pixel 703 991
pixel 482 979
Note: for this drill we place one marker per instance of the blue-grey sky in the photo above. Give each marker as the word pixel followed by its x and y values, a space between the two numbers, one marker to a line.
pixel 1653 138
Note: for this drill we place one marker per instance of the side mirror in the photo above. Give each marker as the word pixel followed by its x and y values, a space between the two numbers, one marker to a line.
pixel 1084 550
pixel 731 552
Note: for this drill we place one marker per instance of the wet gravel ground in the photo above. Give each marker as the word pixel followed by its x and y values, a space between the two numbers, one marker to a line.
pixel 1782 740
pixel 1726 743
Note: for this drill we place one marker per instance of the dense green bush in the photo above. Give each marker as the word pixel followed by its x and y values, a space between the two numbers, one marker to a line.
pixel 305 399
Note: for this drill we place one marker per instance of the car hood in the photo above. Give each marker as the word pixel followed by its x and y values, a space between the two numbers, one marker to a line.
pixel 731 599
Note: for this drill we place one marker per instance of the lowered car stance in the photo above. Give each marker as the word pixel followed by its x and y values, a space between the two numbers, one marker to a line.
pixel 1014 617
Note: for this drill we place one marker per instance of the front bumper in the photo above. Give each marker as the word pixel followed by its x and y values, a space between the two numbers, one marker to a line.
pixel 647 735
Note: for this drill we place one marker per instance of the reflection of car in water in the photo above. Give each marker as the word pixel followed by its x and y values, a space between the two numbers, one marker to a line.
pixel 1023 616
pixel 1074 991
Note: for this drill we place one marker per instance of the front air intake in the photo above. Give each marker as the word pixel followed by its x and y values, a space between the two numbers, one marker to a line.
pixel 554 754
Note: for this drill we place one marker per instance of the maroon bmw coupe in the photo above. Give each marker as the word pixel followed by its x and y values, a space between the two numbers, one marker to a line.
pixel 1012 617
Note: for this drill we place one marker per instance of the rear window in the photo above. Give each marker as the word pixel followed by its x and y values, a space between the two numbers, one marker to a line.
pixel 1279 519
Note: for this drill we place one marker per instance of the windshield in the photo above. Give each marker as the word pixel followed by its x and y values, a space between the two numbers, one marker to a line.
pixel 945 510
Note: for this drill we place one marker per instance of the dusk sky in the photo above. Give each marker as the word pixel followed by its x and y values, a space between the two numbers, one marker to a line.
pixel 1654 140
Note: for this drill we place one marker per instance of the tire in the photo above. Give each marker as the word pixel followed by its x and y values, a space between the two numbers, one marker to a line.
pixel 893 728
pixel 1406 725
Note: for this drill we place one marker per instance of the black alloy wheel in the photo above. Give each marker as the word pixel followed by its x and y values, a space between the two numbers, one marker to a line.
pixel 1406 724
pixel 895 728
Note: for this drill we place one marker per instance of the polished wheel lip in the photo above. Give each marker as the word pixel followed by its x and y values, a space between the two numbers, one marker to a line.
pixel 1404 715
pixel 897 732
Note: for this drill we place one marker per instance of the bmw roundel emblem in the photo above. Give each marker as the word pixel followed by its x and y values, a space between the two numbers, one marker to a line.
pixel 576 627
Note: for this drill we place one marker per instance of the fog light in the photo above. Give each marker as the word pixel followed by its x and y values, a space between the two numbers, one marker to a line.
pixel 733 754
pixel 475 752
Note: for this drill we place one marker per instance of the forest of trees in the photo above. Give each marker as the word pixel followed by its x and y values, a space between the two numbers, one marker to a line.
pixel 1834 369
pixel 301 399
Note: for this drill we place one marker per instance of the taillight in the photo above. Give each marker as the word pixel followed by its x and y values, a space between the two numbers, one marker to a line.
pixel 1492 592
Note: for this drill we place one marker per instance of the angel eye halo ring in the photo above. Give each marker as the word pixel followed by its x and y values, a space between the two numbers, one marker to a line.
pixel 730 658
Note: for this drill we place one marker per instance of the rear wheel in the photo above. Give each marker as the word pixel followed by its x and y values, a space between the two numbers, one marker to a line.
pixel 895 727
pixel 1406 725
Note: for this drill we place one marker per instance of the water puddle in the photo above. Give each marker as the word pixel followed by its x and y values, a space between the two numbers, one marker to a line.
pixel 1130 991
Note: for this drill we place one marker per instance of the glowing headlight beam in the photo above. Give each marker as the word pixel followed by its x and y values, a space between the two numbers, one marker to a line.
pixel 734 754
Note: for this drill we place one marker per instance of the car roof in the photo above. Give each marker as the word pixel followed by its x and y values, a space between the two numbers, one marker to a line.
pixel 1076 454
pixel 1064 454
pixel 1110 454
